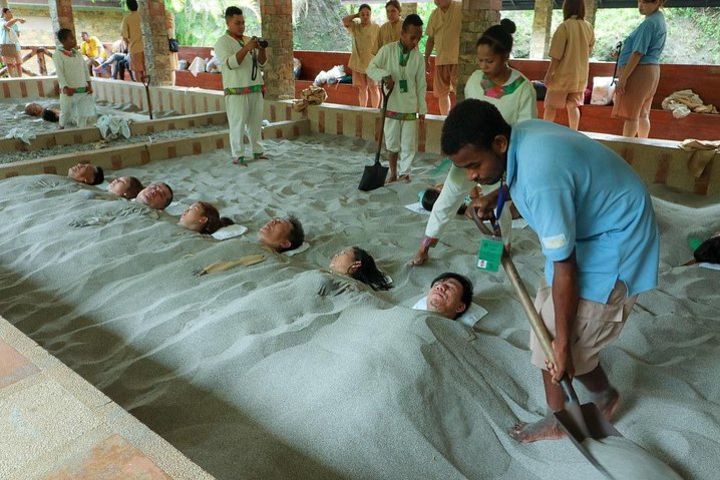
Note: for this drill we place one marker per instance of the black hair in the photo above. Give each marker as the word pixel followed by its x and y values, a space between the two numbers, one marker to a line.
pixel 50 115
pixel 232 11
pixel 5 10
pixel 134 188
pixel 215 221
pixel 429 198
pixel 84 33
pixel 99 176
pixel 63 34
pixel 467 286
pixel 412 19
pixel 369 273
pixel 297 234
pixel 393 3
pixel 364 5
pixel 132 5
pixel 172 195
pixel 708 251
pixel 472 122
pixel 499 37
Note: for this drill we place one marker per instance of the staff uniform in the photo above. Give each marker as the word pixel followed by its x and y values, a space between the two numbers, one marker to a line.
pixel 649 39
pixel 78 109
pixel 364 48
pixel 389 32
pixel 243 95
pixel 406 101
pixel 516 101
pixel 444 27
pixel 571 45
pixel 132 31
pixel 579 196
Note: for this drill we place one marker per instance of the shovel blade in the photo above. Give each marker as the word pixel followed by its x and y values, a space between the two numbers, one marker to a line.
pixel 373 177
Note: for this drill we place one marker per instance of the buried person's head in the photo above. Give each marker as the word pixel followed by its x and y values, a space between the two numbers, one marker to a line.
pixel 33 109
pixel 360 265
pixel 157 195
pixel 203 217
pixel 282 234
pixel 126 187
pixel 476 138
pixel 450 295
pixel 86 173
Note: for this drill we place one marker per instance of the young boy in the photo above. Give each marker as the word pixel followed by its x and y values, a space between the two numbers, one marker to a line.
pixel 401 66
pixel 241 59
pixel 443 32
pixel 77 106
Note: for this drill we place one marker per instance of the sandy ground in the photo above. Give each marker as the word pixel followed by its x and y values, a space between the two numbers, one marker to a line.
pixel 281 370
pixel 12 114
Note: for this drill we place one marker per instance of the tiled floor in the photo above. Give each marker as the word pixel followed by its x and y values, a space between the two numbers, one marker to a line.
pixel 56 426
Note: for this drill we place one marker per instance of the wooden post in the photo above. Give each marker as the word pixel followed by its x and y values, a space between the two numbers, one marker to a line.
pixel 41 61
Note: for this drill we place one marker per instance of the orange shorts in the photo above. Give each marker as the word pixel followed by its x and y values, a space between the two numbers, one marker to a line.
pixel 445 80
pixel 639 92
pixel 362 80
pixel 561 98
pixel 137 62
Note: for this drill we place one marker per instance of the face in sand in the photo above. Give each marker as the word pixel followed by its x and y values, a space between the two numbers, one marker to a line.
pixel 450 295
pixel 194 217
pixel 126 187
pixel 33 109
pixel 86 173
pixel 345 262
pixel 157 196
pixel 282 234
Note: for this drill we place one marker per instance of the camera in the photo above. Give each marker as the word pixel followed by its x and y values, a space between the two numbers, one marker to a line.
pixel 262 42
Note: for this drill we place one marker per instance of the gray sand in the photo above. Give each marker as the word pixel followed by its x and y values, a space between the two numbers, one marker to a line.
pixel 253 374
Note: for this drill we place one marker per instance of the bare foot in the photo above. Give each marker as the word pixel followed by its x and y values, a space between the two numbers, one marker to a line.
pixel 546 429
pixel 419 259
pixel 607 402
pixel 239 161
pixel 260 156
pixel 392 179
pixel 405 178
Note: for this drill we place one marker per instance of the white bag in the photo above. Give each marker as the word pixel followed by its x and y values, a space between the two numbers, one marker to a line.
pixel 197 66
pixel 321 78
pixel 603 91
pixel 335 73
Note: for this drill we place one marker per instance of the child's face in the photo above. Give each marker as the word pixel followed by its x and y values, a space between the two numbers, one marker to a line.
pixel 70 42
pixel 411 36
pixel 490 63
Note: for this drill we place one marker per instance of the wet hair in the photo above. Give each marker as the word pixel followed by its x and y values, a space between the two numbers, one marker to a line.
pixel 232 11
pixel 708 251
pixel 573 7
pixel 412 20
pixel 99 176
pixel 429 198
pixel 215 221
pixel 393 3
pixel 63 34
pixel 467 286
pixel 132 5
pixel 499 37
pixel 171 194
pixel 364 5
pixel 472 122
pixel 368 273
pixel 297 234
pixel 134 188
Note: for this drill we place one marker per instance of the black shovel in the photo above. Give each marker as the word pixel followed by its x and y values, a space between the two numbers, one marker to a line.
pixel 374 175
pixel 146 84
pixel 578 421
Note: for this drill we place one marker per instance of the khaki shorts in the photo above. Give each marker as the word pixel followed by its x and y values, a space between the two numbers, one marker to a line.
pixel 561 98
pixel 9 53
pixel 639 92
pixel 445 79
pixel 596 326
pixel 362 80
pixel 137 62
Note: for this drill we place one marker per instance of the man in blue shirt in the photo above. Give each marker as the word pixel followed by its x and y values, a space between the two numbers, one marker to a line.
pixel 596 225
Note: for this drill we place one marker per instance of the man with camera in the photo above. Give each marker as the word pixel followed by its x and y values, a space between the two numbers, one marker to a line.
pixel 241 61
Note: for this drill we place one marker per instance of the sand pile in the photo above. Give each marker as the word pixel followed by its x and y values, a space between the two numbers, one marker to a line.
pixel 281 370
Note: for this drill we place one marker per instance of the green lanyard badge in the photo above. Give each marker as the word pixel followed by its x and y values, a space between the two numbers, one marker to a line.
pixel 404 57
pixel 492 248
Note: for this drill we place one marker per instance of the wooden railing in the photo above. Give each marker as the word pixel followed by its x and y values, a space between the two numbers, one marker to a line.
pixel 34 51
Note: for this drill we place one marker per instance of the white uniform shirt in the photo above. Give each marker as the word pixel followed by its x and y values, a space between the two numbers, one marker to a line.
pixel 71 70
pixel 236 75
pixel 387 62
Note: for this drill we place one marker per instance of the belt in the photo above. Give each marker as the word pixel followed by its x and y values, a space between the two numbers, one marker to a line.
pixel 401 116
pixel 245 90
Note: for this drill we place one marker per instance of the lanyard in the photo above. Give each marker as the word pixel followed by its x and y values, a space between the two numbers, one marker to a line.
pixel 240 41
pixel 403 56
pixel 502 197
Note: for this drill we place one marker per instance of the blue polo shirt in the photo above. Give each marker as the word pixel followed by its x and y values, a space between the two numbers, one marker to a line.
pixel 648 38
pixel 579 195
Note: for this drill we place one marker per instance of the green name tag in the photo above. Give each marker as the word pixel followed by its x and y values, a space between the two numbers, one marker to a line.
pixel 490 254
pixel 403 86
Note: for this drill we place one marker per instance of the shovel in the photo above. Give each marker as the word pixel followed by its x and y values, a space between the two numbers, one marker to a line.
pixel 146 83
pixel 578 421
pixel 374 175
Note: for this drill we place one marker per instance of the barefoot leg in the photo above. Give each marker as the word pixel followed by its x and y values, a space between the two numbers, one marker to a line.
pixel 393 160
pixel 602 393
pixel 547 428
